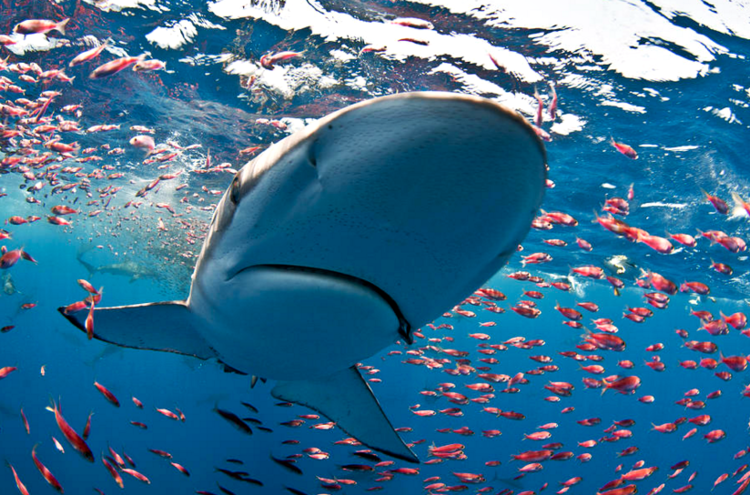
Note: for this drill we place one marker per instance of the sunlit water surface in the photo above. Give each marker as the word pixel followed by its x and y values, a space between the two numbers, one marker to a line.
pixel 668 78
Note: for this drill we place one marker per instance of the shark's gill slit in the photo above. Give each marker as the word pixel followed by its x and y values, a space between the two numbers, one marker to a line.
pixel 234 195
pixel 311 159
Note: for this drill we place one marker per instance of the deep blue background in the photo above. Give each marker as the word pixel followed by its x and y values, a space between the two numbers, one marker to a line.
pixel 203 104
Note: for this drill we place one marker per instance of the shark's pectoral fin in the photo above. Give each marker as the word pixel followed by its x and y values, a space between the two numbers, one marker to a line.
pixel 162 326
pixel 347 399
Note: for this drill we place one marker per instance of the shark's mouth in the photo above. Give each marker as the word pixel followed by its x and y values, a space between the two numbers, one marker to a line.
pixel 404 328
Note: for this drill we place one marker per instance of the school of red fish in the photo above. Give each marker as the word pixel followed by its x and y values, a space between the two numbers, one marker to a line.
pixel 38 137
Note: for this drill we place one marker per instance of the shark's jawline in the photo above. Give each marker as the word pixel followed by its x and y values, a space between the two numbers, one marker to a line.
pixel 404 328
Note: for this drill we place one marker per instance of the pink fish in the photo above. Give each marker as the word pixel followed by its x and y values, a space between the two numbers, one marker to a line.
pixel 115 66
pixel 36 26
pixel 88 55
pixel 268 61
pixel 625 149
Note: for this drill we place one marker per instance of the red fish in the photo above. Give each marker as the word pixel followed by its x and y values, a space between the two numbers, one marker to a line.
pixel 684 239
pixel 149 65
pixel 10 258
pixel 71 436
pixel 48 476
pixel 107 394
pixel 569 313
pixel 625 385
pixel 658 244
pixel 268 61
pixel 180 468
pixel 7 370
pixel 135 474
pixel 167 413
pixel 606 341
pixel 36 26
pixel 721 268
pixel 735 363
pixel 21 487
pixel 89 323
pixel 639 474
pixel 590 271
pixel 714 436
pixel 112 472
pixel 115 66
pixel 75 307
pixel 625 149
pixel 737 320
pixel 589 306
pixel 87 286
pixel 583 244
pixel 87 428
pixel 719 204
pixel 25 422
pixel 63 210
pixel 88 55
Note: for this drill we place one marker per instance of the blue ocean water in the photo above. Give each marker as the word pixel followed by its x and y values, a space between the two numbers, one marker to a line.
pixel 668 79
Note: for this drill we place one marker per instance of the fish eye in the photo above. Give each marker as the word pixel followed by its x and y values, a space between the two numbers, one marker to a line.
pixel 234 193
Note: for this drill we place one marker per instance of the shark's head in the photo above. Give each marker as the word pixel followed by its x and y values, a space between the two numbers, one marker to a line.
pixel 421 197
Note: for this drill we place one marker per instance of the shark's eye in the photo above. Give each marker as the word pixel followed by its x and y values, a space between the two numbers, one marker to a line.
pixel 234 193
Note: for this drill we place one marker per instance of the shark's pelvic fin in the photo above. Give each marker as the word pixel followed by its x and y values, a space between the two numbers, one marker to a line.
pixel 347 399
pixel 162 326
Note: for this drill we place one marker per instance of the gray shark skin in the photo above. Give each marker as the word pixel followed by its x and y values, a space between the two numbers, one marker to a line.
pixel 340 239
pixel 130 269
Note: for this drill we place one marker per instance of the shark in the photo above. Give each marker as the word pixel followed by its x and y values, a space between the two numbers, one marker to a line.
pixel 343 238
pixel 128 268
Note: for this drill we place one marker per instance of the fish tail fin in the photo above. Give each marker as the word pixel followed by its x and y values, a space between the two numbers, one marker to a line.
pixel 91 269
pixel 60 26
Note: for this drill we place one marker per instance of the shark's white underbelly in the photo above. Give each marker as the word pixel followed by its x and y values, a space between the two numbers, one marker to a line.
pixel 289 324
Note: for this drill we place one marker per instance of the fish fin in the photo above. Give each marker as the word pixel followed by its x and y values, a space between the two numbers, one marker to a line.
pixel 347 399
pixel 60 26
pixel 161 326
pixel 88 266
pixel 229 369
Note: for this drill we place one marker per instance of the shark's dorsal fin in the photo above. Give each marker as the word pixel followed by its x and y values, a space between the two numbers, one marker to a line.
pixel 347 399
pixel 162 326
